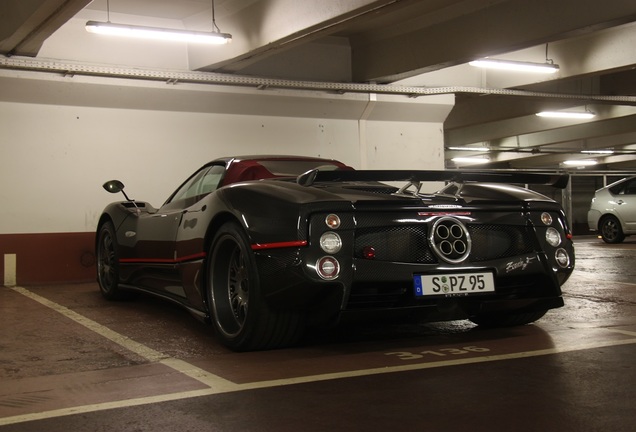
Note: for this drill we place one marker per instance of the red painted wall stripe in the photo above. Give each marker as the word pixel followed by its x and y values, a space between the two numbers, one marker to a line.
pixel 49 258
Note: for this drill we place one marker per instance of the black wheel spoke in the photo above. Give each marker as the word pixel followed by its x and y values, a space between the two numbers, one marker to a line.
pixel 611 230
pixel 238 287
pixel 230 282
pixel 242 318
pixel 107 263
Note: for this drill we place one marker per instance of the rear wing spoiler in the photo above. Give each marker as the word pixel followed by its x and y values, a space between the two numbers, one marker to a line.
pixel 559 181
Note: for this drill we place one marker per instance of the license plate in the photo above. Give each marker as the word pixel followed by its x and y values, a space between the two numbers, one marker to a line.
pixel 453 284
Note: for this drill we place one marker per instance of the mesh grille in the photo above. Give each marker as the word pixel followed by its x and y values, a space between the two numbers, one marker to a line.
pixel 405 243
pixel 378 190
pixel 499 241
pixel 409 243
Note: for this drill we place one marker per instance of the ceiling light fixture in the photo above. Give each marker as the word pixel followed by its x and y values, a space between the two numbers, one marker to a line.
pixel 580 162
pixel 471 160
pixel 517 66
pixel 577 115
pixel 158 33
pixel 475 149
pixel 601 152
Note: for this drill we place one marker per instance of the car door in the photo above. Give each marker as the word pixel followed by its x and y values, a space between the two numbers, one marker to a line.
pixel 157 232
pixel 191 231
pixel 175 240
pixel 625 203
pixel 156 236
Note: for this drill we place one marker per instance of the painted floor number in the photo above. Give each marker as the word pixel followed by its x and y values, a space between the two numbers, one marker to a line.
pixel 442 352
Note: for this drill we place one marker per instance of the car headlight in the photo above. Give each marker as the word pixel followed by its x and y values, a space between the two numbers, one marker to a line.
pixel 330 242
pixel 553 237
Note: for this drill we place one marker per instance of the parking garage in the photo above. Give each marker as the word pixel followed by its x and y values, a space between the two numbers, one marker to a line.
pixel 339 82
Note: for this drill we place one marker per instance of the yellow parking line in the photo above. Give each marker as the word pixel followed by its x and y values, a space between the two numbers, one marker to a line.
pixel 431 365
pixel 143 351
pixel 625 332
pixel 298 380
pixel 139 349
pixel 218 385
pixel 594 276
pixel 103 406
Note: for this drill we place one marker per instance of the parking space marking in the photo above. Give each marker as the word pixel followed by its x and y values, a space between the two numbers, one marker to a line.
pixel 103 406
pixel 431 365
pixel 625 332
pixel 219 385
pixel 301 380
pixel 137 348
pixel 143 351
pixel 593 276
pixel 213 381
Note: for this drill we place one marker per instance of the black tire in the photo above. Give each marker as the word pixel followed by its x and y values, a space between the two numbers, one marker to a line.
pixel 241 317
pixel 611 231
pixel 107 254
pixel 507 319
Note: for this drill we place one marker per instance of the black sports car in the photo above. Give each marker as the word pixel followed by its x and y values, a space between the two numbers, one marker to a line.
pixel 264 246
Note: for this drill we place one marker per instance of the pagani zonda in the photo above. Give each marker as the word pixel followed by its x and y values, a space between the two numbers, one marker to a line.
pixel 265 246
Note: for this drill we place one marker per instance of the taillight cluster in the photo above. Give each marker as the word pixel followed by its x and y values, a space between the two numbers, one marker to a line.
pixel 328 267
pixel 554 239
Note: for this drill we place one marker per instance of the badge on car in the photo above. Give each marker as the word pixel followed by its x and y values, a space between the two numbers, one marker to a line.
pixel 453 284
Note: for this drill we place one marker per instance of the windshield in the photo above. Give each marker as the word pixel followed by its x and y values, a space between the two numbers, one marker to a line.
pixel 293 168
pixel 259 169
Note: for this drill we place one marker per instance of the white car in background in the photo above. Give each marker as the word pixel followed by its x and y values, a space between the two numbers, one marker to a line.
pixel 613 211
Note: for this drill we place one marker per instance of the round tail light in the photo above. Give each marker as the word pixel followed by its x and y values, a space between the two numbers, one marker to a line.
pixel 330 242
pixel 332 221
pixel 328 267
pixel 368 252
pixel 562 258
pixel 553 237
pixel 546 218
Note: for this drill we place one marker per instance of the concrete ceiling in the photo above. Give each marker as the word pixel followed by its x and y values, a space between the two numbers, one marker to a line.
pixel 416 43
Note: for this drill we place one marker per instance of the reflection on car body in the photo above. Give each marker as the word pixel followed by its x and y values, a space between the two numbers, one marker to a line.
pixel 265 246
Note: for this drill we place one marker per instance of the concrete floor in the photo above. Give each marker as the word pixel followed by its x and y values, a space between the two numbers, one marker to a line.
pixel 71 361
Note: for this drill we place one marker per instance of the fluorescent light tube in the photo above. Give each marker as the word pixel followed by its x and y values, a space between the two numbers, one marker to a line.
pixel 601 152
pixel 517 66
pixel 567 114
pixel 476 149
pixel 580 162
pixel 157 33
pixel 471 160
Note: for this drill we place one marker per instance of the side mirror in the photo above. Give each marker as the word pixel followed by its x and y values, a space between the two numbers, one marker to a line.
pixel 113 186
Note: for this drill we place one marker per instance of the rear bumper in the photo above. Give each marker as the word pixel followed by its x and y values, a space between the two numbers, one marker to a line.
pixel 374 288
pixel 593 217
pixel 452 309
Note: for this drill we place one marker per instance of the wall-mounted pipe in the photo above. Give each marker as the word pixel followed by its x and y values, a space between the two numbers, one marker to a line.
pixel 175 77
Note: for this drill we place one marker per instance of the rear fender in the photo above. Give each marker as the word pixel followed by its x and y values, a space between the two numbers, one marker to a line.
pixel 268 214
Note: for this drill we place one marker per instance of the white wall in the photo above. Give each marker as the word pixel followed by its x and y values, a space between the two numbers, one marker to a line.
pixel 403 145
pixel 62 137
